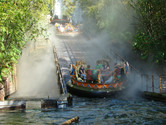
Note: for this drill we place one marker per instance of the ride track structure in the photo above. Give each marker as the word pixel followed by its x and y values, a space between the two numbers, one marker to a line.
pixel 70 52
pixel 92 89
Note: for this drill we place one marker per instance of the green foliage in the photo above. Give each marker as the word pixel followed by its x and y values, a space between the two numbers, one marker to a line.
pixel 109 15
pixel 150 39
pixel 5 72
pixel 51 4
pixel 19 23
pixel 68 7
pixel 92 9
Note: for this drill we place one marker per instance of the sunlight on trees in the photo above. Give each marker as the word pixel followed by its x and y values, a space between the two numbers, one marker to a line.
pixel 19 24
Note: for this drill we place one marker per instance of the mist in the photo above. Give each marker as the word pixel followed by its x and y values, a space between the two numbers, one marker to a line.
pixel 114 37
pixel 118 31
pixel 36 71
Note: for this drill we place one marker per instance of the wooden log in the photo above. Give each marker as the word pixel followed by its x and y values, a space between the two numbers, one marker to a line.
pixel 68 122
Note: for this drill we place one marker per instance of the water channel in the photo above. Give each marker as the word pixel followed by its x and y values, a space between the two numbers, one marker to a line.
pixel 98 111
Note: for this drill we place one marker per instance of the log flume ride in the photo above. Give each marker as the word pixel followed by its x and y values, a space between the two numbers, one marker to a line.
pixel 98 82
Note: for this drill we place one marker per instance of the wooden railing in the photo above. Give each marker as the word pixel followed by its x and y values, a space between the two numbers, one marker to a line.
pixel 162 83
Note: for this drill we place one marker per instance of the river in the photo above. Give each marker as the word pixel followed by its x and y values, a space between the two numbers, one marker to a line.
pixel 98 111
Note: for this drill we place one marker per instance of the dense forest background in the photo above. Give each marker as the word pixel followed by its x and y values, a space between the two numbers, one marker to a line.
pixel 140 22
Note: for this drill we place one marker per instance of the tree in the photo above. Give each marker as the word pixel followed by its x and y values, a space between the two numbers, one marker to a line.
pixel 150 39
pixel 112 16
pixel 116 17
pixel 68 8
pixel 19 23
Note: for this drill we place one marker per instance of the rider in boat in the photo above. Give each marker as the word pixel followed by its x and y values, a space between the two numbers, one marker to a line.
pixel 89 74
pixel 82 72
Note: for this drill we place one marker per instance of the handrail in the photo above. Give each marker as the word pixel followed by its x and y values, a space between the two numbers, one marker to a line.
pixel 64 90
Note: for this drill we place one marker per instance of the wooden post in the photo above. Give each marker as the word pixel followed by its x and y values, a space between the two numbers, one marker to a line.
pixel 152 83
pixel 68 122
pixel 142 81
pixel 146 82
pixel 160 84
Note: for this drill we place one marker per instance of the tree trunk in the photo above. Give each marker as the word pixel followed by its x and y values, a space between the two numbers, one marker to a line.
pixel 2 92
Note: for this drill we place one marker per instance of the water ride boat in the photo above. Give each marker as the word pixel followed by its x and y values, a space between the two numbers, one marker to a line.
pixel 101 83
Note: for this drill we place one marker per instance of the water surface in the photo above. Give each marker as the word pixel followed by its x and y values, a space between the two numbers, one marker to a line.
pixel 105 111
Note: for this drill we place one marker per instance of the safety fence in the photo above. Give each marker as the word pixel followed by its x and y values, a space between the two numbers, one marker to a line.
pixel 154 83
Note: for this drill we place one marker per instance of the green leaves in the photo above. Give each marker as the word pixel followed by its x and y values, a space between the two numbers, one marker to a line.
pixel 68 8
pixel 150 38
pixel 2 47
pixel 5 72
pixel 18 22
